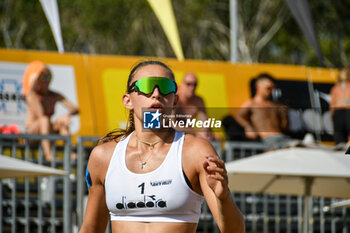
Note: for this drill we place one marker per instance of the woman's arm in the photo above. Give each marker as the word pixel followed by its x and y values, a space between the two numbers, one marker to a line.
pixel 62 122
pixel 284 118
pixel 96 214
pixel 73 110
pixel 243 118
pixel 214 185
pixel 333 95
pixel 34 104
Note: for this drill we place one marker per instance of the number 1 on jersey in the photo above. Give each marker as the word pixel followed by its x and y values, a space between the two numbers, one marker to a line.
pixel 142 186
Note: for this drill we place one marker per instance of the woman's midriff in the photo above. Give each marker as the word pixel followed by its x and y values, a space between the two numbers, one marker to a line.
pixel 152 227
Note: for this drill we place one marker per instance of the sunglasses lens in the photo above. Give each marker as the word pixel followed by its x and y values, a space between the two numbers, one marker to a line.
pixel 45 77
pixel 144 85
pixel 147 85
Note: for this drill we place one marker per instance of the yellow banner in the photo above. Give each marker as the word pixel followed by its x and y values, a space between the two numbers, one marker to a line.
pixel 96 84
pixel 165 14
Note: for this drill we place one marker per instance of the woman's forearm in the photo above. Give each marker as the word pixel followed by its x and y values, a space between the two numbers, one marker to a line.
pixel 230 218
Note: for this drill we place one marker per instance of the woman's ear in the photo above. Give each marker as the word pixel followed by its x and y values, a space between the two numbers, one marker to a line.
pixel 127 101
pixel 176 99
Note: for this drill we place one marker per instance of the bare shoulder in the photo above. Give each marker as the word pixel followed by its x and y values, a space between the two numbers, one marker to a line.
pixel 103 152
pixel 248 103
pixel 30 95
pixel 99 159
pixel 245 108
pixel 56 95
pixel 334 89
pixel 199 101
pixel 197 148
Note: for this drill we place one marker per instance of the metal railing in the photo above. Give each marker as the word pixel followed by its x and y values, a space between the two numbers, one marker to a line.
pixel 282 213
pixel 36 204
pixel 83 151
pixel 84 147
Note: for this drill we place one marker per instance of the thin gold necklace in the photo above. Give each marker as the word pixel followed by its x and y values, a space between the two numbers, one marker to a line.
pixel 143 164
pixel 151 146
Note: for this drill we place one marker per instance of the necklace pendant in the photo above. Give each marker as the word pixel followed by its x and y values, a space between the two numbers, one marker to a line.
pixel 143 165
pixel 151 147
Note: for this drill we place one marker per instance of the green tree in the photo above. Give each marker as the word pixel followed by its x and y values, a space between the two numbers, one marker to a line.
pixel 267 32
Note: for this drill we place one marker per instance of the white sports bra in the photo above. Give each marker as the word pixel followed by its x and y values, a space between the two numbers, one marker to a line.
pixel 158 196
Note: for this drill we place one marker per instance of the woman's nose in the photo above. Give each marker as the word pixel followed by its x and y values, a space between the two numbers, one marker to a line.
pixel 156 94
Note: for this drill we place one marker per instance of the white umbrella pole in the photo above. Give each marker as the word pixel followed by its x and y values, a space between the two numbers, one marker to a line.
pixel 308 183
pixel 306 214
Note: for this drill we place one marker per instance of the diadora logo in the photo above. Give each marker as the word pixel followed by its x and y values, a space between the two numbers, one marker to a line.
pixel 151 120
pixel 149 201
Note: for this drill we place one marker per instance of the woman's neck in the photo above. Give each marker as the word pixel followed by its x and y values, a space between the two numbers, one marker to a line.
pixel 153 137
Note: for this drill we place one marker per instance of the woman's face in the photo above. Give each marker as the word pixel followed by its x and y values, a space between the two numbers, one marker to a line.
pixel 42 83
pixel 154 101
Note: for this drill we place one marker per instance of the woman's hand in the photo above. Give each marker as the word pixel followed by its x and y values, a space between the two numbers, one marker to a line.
pixel 216 176
pixel 223 208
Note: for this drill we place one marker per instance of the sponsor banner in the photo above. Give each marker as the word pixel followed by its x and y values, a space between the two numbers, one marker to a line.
pixel 13 107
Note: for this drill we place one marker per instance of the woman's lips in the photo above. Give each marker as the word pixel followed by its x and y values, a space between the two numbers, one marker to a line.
pixel 156 106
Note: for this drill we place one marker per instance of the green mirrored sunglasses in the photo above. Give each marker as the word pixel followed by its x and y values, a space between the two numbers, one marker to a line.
pixel 45 77
pixel 147 85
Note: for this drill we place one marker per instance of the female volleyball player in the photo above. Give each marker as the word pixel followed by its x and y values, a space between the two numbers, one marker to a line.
pixel 155 180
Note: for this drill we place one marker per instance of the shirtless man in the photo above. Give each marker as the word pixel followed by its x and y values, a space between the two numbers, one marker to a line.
pixel 190 104
pixel 262 118
pixel 41 102
pixel 340 107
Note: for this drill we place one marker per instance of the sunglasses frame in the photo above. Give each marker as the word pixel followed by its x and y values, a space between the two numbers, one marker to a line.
pixel 45 77
pixel 134 88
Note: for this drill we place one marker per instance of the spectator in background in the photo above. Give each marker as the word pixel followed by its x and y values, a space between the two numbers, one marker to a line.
pixel 340 107
pixel 41 102
pixel 191 104
pixel 263 119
